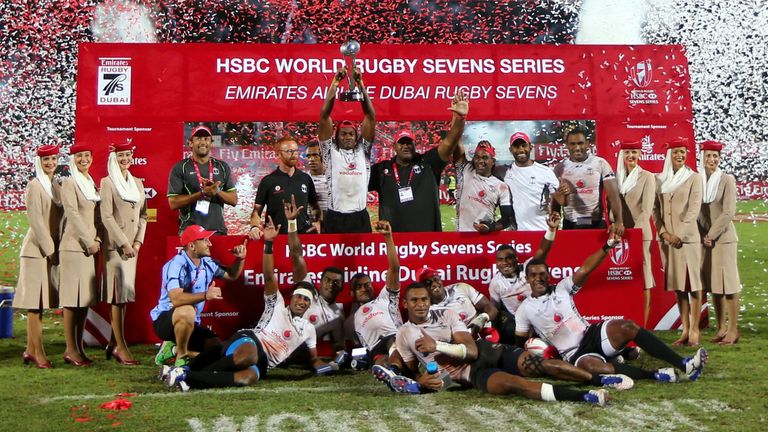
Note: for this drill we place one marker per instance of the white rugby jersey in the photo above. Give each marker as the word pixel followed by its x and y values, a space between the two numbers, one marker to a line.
pixel 378 318
pixel 440 325
pixel 348 172
pixel 477 197
pixel 460 298
pixel 321 189
pixel 555 318
pixel 531 188
pixel 320 312
pixel 279 332
pixel 586 182
pixel 510 291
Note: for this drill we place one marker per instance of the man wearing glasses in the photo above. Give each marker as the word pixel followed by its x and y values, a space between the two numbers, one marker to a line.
pixel 479 194
pixel 276 189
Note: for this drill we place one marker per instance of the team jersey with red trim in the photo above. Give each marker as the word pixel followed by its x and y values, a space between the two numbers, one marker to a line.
pixel 510 291
pixel 586 182
pixel 347 172
pixel 441 325
pixel 477 197
pixel 378 318
pixel 554 317
pixel 460 298
pixel 279 332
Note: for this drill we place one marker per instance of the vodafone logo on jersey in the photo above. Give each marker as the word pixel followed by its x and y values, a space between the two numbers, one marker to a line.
pixel 313 318
pixel 520 297
pixel 463 316
pixel 287 334
pixel 557 318
pixel 481 194
pixel 580 184
pixel 366 309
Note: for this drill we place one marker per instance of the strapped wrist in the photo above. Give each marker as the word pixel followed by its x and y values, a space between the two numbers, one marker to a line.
pixel 458 351
pixel 292 225
pixel 268 246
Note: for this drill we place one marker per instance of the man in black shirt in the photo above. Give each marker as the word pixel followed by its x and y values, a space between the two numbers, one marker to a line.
pixel 277 187
pixel 200 185
pixel 408 183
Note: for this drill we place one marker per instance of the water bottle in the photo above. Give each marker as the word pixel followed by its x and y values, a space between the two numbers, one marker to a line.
pixel 433 368
pixel 359 359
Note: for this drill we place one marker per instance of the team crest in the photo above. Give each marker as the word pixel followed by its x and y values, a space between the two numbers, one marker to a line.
pixel 417 169
pixel 590 171
pixel 386 171
pixel 215 171
pixel 277 188
pixel 304 188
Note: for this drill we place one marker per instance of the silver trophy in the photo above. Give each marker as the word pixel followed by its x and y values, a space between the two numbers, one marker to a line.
pixel 349 50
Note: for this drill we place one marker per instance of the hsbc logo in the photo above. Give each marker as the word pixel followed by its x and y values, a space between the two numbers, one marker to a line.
pixel 641 74
pixel 114 81
pixel 620 253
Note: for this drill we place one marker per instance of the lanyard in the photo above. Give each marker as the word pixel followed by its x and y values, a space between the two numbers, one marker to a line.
pixel 397 175
pixel 200 177
pixel 197 276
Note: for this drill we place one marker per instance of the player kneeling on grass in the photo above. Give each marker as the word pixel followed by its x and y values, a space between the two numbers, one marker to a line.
pixel 552 314
pixel 438 337
pixel 249 353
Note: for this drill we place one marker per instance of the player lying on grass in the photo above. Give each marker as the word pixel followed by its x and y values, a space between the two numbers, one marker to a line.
pixel 250 353
pixel 438 337
pixel 552 314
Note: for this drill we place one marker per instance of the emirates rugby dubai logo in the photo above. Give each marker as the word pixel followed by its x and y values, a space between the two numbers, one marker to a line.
pixel 114 84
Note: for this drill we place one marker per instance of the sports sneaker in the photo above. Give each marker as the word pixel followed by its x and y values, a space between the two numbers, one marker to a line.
pixel 617 381
pixel 383 374
pixel 669 375
pixel 694 365
pixel 401 384
pixel 164 371
pixel 166 353
pixel 176 375
pixel 598 397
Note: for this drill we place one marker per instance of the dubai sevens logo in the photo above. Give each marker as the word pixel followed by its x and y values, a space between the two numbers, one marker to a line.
pixel 642 73
pixel 114 84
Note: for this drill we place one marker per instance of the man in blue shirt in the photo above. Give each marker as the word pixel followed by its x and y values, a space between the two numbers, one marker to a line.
pixel 187 285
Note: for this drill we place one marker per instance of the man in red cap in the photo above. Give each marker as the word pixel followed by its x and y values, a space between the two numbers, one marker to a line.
pixel 587 177
pixel 347 159
pixel 200 185
pixel 408 183
pixel 478 193
pixel 187 285
pixel 531 184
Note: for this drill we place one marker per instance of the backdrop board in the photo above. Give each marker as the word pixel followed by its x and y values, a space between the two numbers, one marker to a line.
pixel 151 93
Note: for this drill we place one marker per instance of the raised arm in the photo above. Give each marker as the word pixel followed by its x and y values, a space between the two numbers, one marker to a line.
pixel 294 243
pixel 325 125
pixel 460 108
pixel 236 269
pixel 393 260
pixel 594 260
pixel 553 222
pixel 368 128
pixel 268 262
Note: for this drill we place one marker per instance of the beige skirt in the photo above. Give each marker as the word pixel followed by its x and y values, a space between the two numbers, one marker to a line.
pixel 647 268
pixel 119 279
pixel 719 270
pixel 36 288
pixel 679 263
pixel 77 280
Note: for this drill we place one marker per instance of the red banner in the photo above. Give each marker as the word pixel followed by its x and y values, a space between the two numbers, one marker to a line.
pixel 614 290
pixel 147 92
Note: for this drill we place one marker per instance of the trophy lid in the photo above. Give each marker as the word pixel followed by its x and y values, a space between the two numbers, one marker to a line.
pixel 350 48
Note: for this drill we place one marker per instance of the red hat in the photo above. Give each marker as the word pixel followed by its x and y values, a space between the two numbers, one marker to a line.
pixel 485 145
pixel 201 130
pixel 519 136
pixel 425 273
pixel 126 146
pixel 711 145
pixel 80 147
pixel 403 134
pixel 631 145
pixel 345 123
pixel 194 232
pixel 48 150
pixel 677 142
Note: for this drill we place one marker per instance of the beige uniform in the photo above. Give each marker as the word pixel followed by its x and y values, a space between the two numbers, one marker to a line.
pixel 720 273
pixel 676 213
pixel 35 288
pixel 637 209
pixel 77 286
pixel 124 223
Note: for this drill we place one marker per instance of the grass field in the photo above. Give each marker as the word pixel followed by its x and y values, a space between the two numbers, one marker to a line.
pixel 731 395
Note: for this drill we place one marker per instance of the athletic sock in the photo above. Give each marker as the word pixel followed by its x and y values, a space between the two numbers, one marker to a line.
pixel 205 379
pixel 632 371
pixel 225 363
pixel 656 348
pixel 205 358
pixel 596 380
pixel 565 393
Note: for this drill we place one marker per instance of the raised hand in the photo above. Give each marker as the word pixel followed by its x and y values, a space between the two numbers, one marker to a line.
pixel 290 209
pixel 240 250
pixel 460 104
pixel 213 293
pixel 425 344
pixel 270 230
pixel 383 227
pixel 553 221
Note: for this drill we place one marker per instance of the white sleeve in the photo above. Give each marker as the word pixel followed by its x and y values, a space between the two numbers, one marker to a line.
pixel 325 152
pixel 493 291
pixel 505 197
pixel 566 285
pixel 472 294
pixel 311 339
pixel 401 343
pixel 454 322
pixel 522 323
pixel 606 172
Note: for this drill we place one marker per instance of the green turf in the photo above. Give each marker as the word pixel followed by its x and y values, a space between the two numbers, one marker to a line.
pixel 731 395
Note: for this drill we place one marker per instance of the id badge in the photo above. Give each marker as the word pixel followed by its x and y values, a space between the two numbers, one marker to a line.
pixel 584 221
pixel 202 207
pixel 406 194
